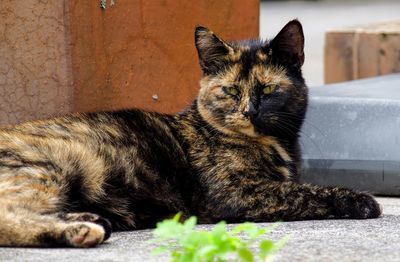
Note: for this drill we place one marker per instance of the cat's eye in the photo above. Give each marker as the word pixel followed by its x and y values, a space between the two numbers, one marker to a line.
pixel 269 89
pixel 232 90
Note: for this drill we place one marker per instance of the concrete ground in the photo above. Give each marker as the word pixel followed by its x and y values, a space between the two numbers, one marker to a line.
pixel 319 16
pixel 325 240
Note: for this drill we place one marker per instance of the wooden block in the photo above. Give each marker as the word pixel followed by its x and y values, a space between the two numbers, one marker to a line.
pixel 363 51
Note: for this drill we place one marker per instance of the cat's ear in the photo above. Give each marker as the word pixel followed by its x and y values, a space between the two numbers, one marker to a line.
pixel 211 49
pixel 287 48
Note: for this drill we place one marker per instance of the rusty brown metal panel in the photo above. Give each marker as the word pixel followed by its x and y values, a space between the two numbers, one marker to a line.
pixel 135 51
pixel 35 75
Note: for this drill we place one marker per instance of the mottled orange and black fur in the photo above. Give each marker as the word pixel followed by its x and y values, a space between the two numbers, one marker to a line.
pixel 233 155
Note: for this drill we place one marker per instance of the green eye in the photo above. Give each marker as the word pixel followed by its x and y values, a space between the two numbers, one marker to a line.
pixel 269 89
pixel 232 90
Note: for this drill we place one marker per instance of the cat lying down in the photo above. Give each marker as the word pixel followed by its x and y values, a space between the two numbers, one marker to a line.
pixel 233 155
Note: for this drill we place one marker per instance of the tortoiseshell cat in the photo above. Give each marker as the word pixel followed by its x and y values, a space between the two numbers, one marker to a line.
pixel 233 155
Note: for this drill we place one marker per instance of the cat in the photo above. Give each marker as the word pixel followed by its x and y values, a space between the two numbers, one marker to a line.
pixel 232 155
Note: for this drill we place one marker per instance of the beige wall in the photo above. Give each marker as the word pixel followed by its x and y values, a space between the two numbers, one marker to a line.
pixel 35 75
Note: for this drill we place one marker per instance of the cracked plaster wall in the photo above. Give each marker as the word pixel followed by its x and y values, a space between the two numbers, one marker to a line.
pixel 35 71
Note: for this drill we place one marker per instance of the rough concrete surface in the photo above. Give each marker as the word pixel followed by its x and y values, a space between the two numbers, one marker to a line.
pixel 324 240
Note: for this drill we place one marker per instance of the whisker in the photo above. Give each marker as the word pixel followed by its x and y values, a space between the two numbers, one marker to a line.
pixel 288 125
pixel 300 118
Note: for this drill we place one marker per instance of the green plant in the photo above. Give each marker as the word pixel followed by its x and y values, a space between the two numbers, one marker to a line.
pixel 185 243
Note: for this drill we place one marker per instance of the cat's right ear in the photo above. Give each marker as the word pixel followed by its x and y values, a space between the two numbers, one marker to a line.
pixel 211 49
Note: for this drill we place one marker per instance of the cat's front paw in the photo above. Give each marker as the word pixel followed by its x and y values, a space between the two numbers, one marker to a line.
pixel 359 206
pixel 84 234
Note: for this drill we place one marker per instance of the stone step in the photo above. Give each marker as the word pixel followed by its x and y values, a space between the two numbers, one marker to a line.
pixel 351 136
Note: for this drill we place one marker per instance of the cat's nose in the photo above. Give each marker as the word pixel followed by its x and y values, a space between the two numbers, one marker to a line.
pixel 249 114
pixel 250 111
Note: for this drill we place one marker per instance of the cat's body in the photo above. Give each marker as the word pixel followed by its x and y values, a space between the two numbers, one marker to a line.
pixel 227 157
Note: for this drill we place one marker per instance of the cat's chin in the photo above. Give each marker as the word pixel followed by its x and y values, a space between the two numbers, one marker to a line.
pixel 249 131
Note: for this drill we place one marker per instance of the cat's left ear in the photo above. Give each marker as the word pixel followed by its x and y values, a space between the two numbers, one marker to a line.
pixel 287 48
pixel 212 50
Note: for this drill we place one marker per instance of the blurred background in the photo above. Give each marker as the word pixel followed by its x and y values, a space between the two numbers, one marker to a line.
pixel 317 18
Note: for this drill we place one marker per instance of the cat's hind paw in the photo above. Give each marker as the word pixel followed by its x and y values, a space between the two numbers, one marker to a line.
pixel 84 234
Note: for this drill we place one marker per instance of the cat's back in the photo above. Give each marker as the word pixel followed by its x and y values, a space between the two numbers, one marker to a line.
pixel 95 143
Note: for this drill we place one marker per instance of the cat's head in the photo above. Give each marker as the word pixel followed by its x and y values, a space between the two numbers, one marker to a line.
pixel 253 87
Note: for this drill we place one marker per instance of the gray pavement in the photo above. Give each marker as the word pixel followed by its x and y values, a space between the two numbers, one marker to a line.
pixel 325 240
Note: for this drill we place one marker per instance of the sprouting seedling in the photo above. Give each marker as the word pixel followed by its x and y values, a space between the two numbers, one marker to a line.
pixel 185 243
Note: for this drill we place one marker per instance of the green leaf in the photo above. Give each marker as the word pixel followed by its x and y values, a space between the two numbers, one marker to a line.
pixel 219 231
pixel 244 227
pixel 206 253
pixel 266 247
pixel 177 217
pixel 235 242
pixel 187 255
pixel 176 254
pixel 246 255
pixel 168 230
pixel 190 223
pixel 249 229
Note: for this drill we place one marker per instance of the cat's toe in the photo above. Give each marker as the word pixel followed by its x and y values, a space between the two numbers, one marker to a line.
pixel 84 234
pixel 106 224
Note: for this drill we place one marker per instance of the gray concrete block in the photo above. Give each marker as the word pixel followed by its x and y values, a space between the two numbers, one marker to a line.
pixel 351 135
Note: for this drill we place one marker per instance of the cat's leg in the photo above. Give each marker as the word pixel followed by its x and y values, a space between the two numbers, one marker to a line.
pixel 23 227
pixel 30 201
pixel 88 217
pixel 272 201
pixel 303 201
